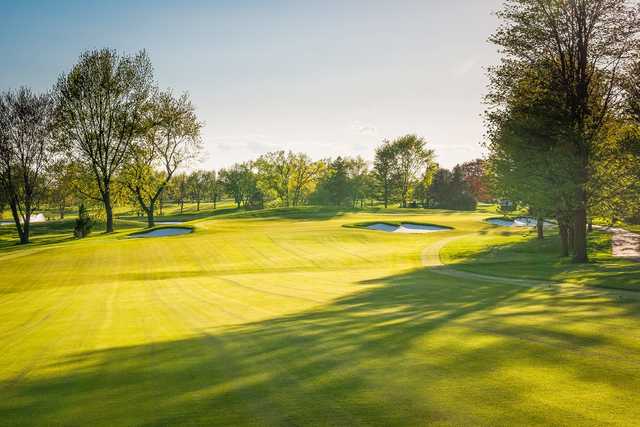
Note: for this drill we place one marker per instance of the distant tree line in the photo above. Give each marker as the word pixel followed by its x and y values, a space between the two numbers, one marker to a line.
pixel 107 135
pixel 404 173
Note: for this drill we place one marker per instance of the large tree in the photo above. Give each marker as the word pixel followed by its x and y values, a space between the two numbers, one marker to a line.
pixel 305 174
pixel 100 108
pixel 177 190
pixel 337 183
pixel 212 189
pixel 474 173
pixel 359 180
pixel 413 158
pixel 26 152
pixel 197 186
pixel 531 157
pixel 385 170
pixel 3 201
pixel 585 44
pixel 239 181
pixel 62 188
pixel 274 173
pixel 422 193
pixel 171 139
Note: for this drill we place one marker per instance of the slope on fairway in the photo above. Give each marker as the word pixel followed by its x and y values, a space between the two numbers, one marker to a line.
pixel 291 318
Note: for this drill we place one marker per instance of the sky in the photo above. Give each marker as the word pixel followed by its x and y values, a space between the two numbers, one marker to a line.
pixel 326 78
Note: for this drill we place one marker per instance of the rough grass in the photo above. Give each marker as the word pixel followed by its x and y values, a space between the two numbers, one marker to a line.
pixel 288 318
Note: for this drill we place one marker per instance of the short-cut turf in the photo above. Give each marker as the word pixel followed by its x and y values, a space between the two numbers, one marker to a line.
pixel 287 317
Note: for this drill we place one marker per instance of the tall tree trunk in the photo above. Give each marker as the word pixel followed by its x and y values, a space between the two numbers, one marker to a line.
pixel 590 225
pixel 386 195
pixel 106 200
pixel 570 237
pixel 26 228
pixel 24 237
pixel 580 236
pixel 540 228
pixel 198 205
pixel 181 206
pixel 215 199
pixel 150 217
pixel 564 239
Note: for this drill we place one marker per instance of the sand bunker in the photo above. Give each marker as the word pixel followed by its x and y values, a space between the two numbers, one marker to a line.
pixel 168 222
pixel 162 232
pixel 406 228
pixel 34 219
pixel 38 218
pixel 518 222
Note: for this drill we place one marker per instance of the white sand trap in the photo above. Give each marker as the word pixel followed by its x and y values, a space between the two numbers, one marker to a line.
pixel 518 222
pixel 500 222
pixel 34 219
pixel 406 228
pixel 38 218
pixel 163 232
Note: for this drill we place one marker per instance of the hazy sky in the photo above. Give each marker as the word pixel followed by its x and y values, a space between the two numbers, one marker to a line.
pixel 323 77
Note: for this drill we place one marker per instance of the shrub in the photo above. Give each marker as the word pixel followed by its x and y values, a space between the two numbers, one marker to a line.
pixel 83 223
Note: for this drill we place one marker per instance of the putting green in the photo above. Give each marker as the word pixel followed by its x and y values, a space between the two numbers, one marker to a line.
pixel 289 317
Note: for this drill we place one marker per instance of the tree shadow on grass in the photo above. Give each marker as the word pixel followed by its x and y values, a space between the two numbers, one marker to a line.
pixel 540 260
pixel 185 217
pixel 308 213
pixel 408 349
pixel 52 233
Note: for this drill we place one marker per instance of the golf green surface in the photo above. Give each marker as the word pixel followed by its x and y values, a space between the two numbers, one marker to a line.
pixel 295 317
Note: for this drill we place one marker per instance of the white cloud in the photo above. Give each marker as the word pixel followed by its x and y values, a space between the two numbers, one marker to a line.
pixel 463 68
pixel 364 128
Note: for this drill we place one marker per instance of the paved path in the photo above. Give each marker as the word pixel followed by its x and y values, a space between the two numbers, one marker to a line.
pixel 625 244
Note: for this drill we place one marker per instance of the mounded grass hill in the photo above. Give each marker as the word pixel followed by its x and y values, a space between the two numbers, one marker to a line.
pixel 294 316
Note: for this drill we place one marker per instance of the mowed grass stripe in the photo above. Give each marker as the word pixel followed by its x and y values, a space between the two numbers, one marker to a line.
pixel 299 320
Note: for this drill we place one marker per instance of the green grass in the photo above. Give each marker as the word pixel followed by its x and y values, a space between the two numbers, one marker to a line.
pixel 286 317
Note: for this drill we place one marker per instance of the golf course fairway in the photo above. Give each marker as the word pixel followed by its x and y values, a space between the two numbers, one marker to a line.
pixel 293 317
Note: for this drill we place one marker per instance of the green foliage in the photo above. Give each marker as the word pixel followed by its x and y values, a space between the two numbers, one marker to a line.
pixel 385 171
pixel 171 139
pixel 399 167
pixel 335 188
pixel 240 182
pixel 412 159
pixel 449 190
pixel 27 153
pixel 197 182
pixel 100 108
pixel 287 178
pixel 560 69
